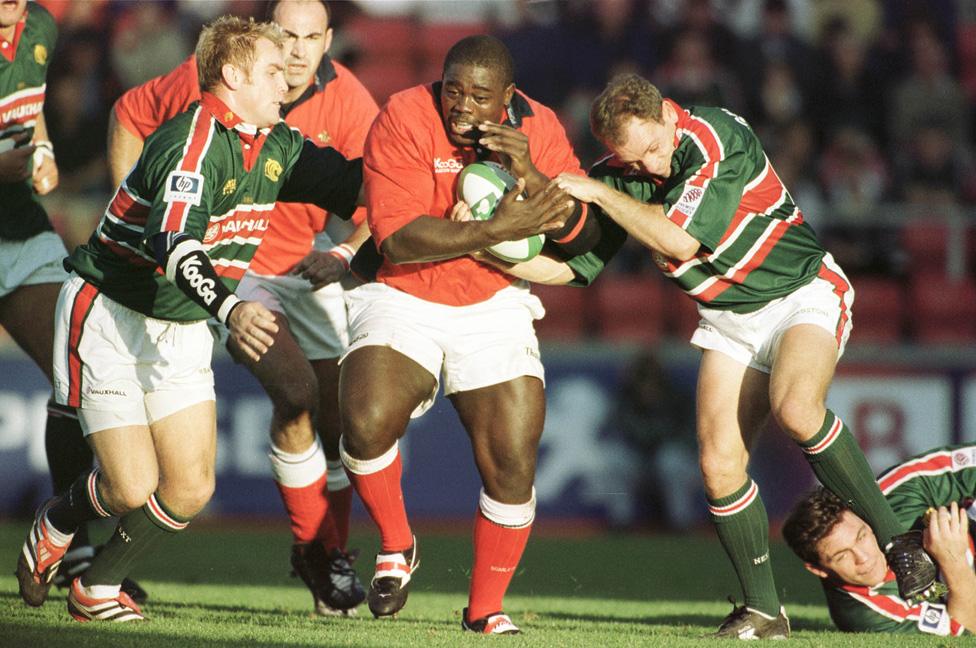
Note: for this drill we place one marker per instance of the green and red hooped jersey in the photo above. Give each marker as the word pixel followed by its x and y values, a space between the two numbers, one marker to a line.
pixel 203 173
pixel 936 478
pixel 723 191
pixel 24 61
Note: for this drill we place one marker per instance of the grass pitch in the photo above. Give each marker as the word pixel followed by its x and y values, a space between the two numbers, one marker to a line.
pixel 231 588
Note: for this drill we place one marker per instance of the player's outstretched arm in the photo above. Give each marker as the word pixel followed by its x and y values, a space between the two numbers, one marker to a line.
pixel 946 538
pixel 646 223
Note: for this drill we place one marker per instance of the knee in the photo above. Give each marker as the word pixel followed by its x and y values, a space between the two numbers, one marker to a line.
pixel 296 400
pixel 798 416
pixel 190 498
pixel 367 430
pixel 128 495
pixel 510 473
pixel 723 468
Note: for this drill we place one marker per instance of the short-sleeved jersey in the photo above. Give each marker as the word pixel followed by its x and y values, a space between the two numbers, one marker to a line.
pixel 208 175
pixel 24 61
pixel 723 191
pixel 936 478
pixel 410 169
pixel 336 110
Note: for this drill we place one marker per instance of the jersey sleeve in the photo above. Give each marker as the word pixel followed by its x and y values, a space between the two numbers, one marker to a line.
pixel 398 179
pixel 586 267
pixel 709 189
pixel 144 108
pixel 323 177
pixel 178 181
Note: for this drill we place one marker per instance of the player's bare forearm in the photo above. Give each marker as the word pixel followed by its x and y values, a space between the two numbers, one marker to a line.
pixel 124 149
pixel 433 239
pixel 541 269
pixel 358 236
pixel 645 222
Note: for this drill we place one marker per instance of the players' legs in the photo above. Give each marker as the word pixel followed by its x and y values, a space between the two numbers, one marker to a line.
pixel 732 408
pixel 505 423
pixel 28 316
pixel 183 446
pixel 338 487
pixel 379 388
pixel 801 376
pixel 297 460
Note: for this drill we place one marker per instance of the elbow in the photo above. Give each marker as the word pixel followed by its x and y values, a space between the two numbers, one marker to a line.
pixel 393 252
pixel 683 251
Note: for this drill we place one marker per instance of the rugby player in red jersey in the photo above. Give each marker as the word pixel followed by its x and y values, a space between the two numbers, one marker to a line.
pixel 438 316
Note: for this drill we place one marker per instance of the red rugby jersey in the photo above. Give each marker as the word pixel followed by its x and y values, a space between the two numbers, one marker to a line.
pixel 335 111
pixel 410 169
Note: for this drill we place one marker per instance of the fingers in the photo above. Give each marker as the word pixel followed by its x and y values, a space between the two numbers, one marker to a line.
pixel 460 212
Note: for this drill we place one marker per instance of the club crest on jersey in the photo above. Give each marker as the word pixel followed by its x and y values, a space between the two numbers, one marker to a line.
pixel 213 231
pixel 324 138
pixel 229 187
pixel 40 54
pixel 184 186
pixel 272 169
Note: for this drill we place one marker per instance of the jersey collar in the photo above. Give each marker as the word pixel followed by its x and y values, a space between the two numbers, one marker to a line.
pixel 683 119
pixel 227 117
pixel 9 48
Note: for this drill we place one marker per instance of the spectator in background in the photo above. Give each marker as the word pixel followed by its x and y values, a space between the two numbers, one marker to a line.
pixel 147 42
pixel 935 170
pixel 657 420
pixel 80 136
pixel 792 150
pixel 929 94
pixel 848 92
pixel 693 75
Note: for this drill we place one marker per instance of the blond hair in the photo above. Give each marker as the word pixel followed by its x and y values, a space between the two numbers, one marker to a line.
pixel 627 95
pixel 232 40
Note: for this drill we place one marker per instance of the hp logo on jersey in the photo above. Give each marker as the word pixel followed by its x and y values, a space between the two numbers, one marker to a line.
pixel 184 186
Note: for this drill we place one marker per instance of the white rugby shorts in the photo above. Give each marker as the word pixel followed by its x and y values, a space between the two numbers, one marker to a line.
pixel 317 319
pixel 466 347
pixel 36 260
pixel 753 338
pixel 121 368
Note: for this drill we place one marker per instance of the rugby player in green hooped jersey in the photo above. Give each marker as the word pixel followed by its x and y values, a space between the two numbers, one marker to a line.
pixel 932 493
pixel 132 343
pixel 31 253
pixel 695 187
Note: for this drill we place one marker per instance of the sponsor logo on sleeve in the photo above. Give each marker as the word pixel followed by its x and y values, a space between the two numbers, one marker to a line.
pixel 184 186
pixel 213 231
pixel 689 201
pixel 934 619
pixel 963 458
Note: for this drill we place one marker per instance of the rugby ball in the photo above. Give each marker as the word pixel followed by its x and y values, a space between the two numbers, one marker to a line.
pixel 481 185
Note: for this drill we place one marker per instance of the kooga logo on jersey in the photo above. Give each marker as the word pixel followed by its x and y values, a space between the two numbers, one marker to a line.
pixel 449 165
pixel 203 286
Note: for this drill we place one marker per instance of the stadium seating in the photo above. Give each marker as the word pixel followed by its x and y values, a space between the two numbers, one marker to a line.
pixel 629 308
pixel 925 244
pixel 879 310
pixel 566 313
pixel 942 310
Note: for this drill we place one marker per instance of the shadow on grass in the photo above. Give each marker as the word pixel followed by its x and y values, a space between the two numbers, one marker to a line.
pixel 663 619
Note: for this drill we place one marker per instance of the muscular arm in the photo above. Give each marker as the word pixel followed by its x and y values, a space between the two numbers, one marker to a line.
pixel 124 148
pixel 646 223
pixel 947 540
pixel 427 238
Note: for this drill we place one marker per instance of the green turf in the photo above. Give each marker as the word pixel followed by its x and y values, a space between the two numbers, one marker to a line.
pixel 231 589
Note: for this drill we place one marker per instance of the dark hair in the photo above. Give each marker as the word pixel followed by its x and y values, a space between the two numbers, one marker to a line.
pixel 483 51
pixel 269 10
pixel 812 520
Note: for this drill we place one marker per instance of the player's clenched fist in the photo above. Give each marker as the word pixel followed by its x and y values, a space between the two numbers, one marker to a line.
pixel 252 327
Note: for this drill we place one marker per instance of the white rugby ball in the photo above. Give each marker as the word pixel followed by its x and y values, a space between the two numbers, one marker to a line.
pixel 481 185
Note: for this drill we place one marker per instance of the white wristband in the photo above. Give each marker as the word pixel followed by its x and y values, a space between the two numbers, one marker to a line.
pixel 42 149
pixel 344 253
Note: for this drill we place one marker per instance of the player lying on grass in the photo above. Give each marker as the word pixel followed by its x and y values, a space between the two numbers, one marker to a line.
pixel 132 343
pixel 932 493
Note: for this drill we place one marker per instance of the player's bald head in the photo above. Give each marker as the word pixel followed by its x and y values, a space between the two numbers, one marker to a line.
pixel 483 51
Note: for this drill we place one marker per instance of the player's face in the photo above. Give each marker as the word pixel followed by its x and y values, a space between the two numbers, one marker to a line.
pixel 261 95
pixel 850 552
pixel 471 94
pixel 11 11
pixel 648 145
pixel 307 39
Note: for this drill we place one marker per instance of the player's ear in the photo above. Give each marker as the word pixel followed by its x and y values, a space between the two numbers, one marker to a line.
pixel 328 39
pixel 816 571
pixel 509 93
pixel 231 76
